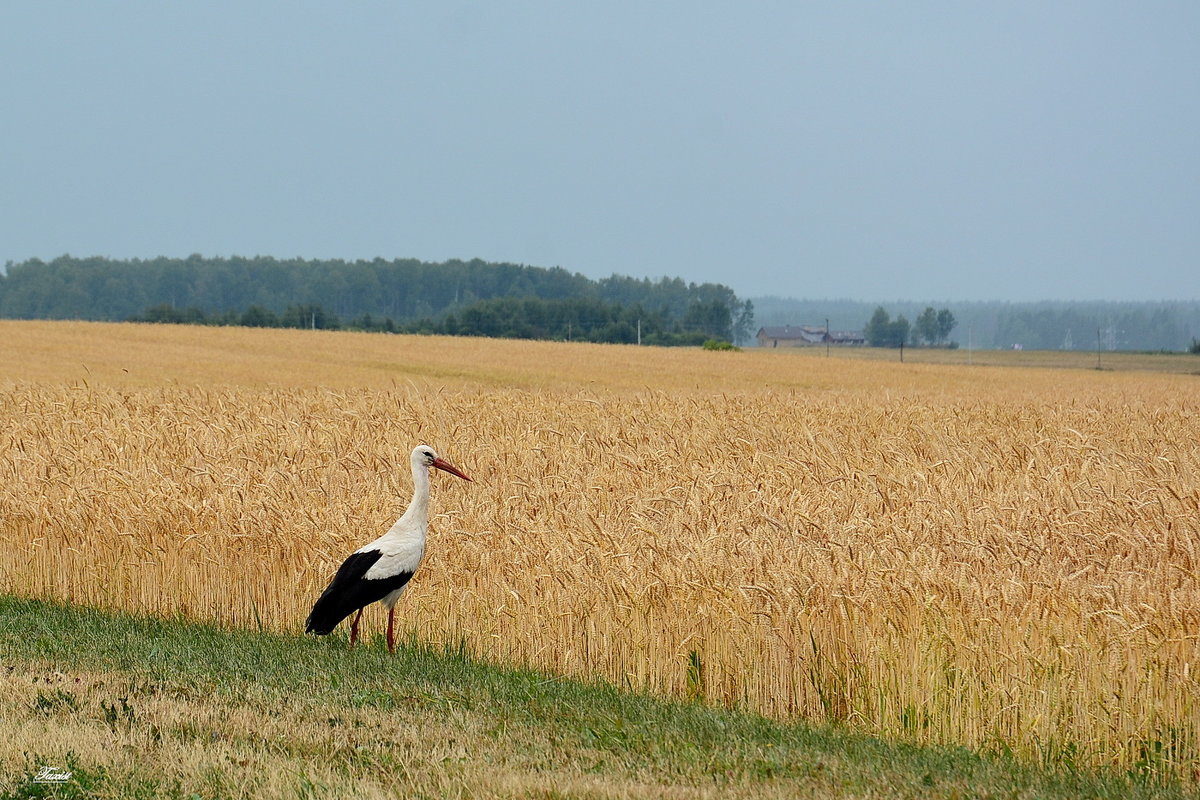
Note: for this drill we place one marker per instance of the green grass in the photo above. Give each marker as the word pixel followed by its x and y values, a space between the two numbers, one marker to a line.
pixel 179 709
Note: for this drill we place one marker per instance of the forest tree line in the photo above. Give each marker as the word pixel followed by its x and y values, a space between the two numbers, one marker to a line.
pixel 571 319
pixel 404 295
pixel 1167 325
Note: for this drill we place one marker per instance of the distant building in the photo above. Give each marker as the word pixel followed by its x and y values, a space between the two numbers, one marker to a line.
pixel 807 336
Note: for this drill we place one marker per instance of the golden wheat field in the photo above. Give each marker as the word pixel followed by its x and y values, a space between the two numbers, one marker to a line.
pixel 1002 558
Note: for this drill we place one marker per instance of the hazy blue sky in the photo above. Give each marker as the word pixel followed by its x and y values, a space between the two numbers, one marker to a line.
pixel 914 150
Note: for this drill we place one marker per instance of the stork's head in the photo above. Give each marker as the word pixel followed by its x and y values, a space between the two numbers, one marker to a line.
pixel 425 456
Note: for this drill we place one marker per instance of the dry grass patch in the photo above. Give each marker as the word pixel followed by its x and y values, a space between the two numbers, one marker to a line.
pixel 136 733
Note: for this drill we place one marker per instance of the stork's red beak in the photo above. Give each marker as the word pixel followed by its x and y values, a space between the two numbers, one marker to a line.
pixel 446 466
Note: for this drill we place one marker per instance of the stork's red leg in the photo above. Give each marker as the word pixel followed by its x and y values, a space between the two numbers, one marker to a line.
pixel 391 630
pixel 354 628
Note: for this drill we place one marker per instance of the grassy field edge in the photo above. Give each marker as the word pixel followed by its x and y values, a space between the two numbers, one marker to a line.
pixel 144 707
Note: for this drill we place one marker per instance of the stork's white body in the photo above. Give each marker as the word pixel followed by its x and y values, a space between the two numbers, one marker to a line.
pixel 400 550
pixel 403 546
pixel 380 571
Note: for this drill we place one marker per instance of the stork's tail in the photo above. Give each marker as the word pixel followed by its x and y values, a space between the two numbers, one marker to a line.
pixel 324 618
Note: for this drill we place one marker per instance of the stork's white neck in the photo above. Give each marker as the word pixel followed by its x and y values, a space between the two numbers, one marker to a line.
pixel 416 517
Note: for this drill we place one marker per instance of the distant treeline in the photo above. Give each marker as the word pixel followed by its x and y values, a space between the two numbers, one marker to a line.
pixel 1058 325
pixel 502 317
pixel 459 297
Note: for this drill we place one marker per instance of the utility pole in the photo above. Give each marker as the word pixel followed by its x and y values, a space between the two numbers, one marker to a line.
pixel 827 337
pixel 639 333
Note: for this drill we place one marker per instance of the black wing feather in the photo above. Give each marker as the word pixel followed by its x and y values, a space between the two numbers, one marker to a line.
pixel 349 591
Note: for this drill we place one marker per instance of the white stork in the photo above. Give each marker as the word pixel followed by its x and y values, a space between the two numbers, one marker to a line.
pixel 381 569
